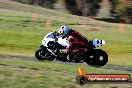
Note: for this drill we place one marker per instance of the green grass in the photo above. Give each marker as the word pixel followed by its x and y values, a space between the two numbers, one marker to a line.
pixel 20 36
pixel 25 74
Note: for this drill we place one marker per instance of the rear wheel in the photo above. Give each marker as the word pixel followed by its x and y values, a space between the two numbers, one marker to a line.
pixel 43 54
pixel 97 57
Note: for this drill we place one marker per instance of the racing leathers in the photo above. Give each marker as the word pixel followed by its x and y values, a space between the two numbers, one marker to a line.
pixel 77 44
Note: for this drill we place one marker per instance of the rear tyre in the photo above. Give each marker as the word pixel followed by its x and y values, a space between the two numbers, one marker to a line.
pixel 97 57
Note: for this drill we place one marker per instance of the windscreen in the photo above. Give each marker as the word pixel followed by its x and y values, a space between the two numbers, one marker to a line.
pixel 50 35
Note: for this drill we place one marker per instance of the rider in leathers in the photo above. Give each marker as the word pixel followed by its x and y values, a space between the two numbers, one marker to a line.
pixel 76 40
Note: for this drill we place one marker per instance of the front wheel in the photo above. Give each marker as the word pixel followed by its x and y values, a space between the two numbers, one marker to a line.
pixel 97 57
pixel 43 54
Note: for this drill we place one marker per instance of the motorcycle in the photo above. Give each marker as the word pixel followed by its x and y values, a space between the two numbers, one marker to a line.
pixel 53 47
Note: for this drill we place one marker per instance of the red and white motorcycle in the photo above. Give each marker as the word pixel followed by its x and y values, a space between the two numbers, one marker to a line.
pixel 53 48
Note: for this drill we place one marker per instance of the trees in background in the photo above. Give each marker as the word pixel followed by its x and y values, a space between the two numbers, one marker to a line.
pixel 43 3
pixel 104 8
pixel 83 7
pixel 47 3
pixel 114 4
pixel 24 1
pixel 89 7
pixel 71 6
pixel 123 8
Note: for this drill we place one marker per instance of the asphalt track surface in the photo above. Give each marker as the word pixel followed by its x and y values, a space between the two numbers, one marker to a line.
pixel 120 68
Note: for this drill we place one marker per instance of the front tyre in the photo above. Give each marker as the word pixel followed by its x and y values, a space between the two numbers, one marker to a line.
pixel 39 54
pixel 43 54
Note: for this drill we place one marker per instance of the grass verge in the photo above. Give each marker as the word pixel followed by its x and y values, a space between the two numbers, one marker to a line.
pixel 25 74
